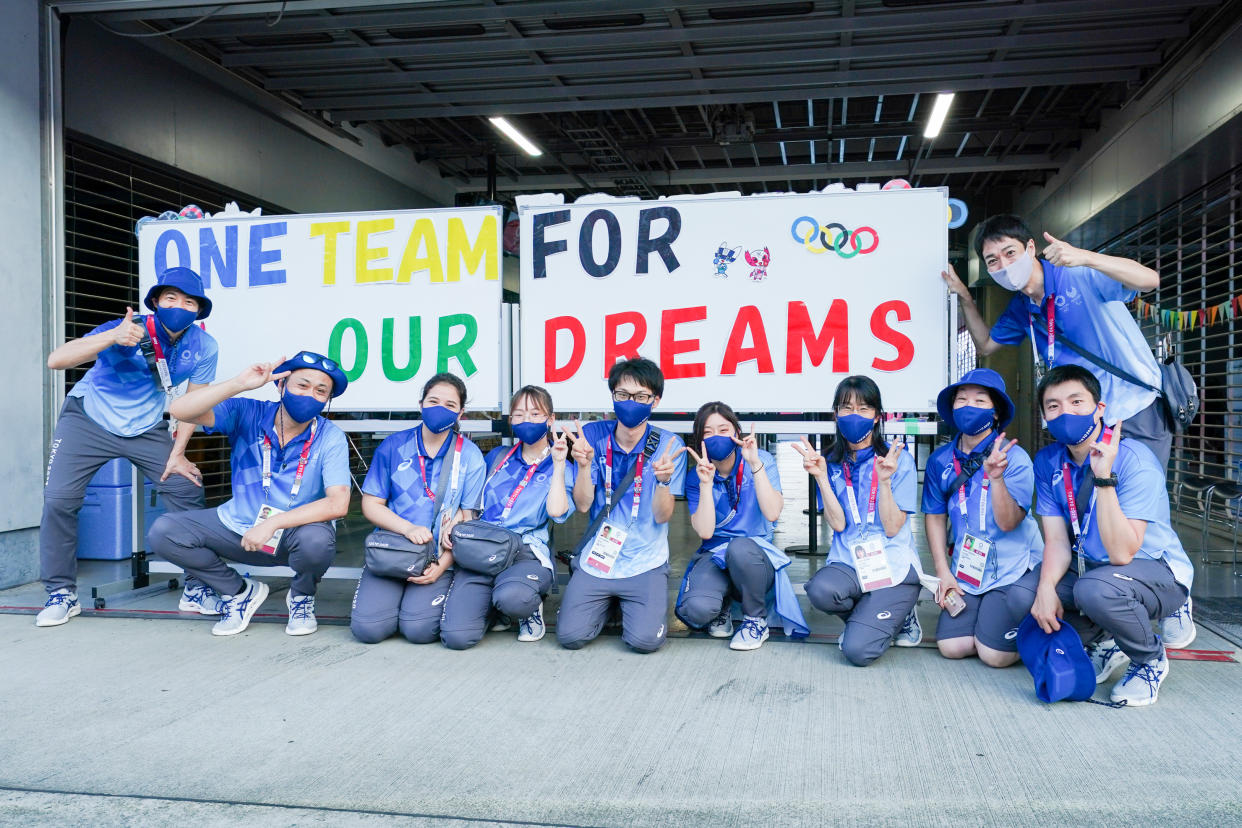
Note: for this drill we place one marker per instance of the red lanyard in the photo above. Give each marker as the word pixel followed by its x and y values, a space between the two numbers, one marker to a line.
pixel 530 472
pixel 853 499
pixel 983 497
pixel 638 482
pixel 161 364
pixel 1052 328
pixel 1072 502
pixel 737 486
pixel 422 464
pixel 297 478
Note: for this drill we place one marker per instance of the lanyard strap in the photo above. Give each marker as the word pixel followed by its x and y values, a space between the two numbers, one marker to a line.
pixel 422 464
pixel 530 472
pixel 161 364
pixel 1051 321
pixel 638 481
pixel 852 499
pixel 737 490
pixel 983 498
pixel 302 461
pixel 1072 501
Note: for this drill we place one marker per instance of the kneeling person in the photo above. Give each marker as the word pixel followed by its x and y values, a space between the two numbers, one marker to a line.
pixel 290 470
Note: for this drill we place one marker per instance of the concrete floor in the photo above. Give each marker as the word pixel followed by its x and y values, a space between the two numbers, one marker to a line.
pixel 139 716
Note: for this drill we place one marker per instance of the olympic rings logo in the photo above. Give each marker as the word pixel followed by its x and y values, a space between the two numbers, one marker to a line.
pixel 820 238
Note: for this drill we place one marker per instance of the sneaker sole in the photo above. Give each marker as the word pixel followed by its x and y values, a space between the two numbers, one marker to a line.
pixel 748 646
pixel 259 598
pixel 722 634
pixel 529 639
pixel 1181 645
pixel 77 610
pixel 187 606
pixel 303 631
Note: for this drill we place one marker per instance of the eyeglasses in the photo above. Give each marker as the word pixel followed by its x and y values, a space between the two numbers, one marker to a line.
pixel 642 397
pixel 522 417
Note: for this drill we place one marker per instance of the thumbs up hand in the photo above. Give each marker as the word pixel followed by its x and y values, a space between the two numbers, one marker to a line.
pixel 127 334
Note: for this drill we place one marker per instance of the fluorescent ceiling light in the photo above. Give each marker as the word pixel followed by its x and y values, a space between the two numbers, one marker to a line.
pixel 939 112
pixel 517 137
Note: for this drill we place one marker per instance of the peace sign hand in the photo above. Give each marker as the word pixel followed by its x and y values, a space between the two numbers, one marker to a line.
pixel 887 467
pixel 1103 455
pixel 750 447
pixel 703 465
pixel 812 461
pixel 664 467
pixel 1062 253
pixel 560 445
pixel 259 374
pixel 997 461
pixel 583 452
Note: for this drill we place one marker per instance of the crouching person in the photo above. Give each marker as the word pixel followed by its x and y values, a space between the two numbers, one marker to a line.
pixel 290 470
pixel 1112 561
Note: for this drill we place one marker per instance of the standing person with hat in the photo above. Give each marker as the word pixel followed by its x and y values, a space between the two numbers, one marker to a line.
pixel 977 491
pixel 116 410
pixel 290 471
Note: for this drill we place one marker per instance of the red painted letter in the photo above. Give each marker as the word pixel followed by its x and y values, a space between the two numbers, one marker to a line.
pixel 614 350
pixel 881 330
pixel 748 319
pixel 671 346
pixel 551 328
pixel 834 334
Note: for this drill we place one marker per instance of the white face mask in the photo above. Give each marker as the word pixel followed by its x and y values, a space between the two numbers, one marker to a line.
pixel 1017 274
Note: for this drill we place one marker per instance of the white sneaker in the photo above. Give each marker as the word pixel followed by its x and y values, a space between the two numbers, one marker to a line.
pixel 532 628
pixel 1139 686
pixel 1178 630
pixel 200 598
pixel 911 632
pixel 722 625
pixel 751 635
pixel 240 608
pixel 502 623
pixel 1105 658
pixel 301 614
pixel 60 607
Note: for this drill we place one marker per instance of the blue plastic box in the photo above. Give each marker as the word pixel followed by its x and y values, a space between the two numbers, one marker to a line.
pixel 105 524
pixel 116 472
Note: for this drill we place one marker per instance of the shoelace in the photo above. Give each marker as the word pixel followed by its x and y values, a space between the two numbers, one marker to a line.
pixel 1182 612
pixel 301 608
pixel 57 598
pixel 527 624
pixel 1147 673
pixel 755 627
pixel 908 626
pixel 1106 654
pixel 202 594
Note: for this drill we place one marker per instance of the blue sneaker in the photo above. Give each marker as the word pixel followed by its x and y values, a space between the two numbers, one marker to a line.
pixel 60 607
pixel 911 632
pixel 240 608
pixel 751 635
pixel 1139 686
pixel 200 598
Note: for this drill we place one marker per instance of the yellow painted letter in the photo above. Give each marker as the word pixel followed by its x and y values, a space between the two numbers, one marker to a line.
pixel 364 254
pixel 329 230
pixel 460 249
pixel 423 235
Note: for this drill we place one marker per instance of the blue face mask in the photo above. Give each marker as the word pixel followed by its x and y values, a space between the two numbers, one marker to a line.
pixel 177 320
pixel 854 427
pixel 719 446
pixel 1072 429
pixel 438 419
pixel 972 420
pixel 530 432
pixel 302 408
pixel 630 413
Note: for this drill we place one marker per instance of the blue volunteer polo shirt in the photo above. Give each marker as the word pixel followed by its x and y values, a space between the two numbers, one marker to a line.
pixel 529 515
pixel 646 545
pixel 1090 311
pixel 1141 491
pixel 122 394
pixel 395 477
pixel 899 548
pixel 245 422
pixel 1013 552
pixel 748 520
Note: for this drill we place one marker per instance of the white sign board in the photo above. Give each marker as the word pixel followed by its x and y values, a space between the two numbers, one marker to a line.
pixel 765 303
pixel 393 297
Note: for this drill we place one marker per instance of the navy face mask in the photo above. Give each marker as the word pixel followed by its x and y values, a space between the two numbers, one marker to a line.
pixel 630 413
pixel 854 427
pixel 1072 429
pixel 438 418
pixel 177 320
pixel 972 420
pixel 719 446
pixel 530 432
pixel 302 408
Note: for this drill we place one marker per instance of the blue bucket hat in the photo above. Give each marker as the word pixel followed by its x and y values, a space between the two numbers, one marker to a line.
pixel 986 378
pixel 184 280
pixel 1057 661
pixel 310 359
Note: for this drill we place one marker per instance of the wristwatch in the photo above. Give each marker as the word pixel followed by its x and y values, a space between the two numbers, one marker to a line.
pixel 663 484
pixel 1107 482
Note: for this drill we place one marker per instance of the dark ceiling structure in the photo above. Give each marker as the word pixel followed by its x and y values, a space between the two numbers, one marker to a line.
pixel 661 97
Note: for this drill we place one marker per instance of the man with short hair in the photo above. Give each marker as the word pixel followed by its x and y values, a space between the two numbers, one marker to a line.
pixel 116 411
pixel 1110 553
pixel 626 558
pixel 1082 295
pixel 290 473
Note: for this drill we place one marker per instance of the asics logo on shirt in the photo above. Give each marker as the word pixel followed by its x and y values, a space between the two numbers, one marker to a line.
pixel 944 475
pixel 1057 475
pixel 439 599
pixel 405 464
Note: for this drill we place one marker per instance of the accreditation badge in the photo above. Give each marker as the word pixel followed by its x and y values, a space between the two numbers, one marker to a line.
pixel 607 547
pixel 972 560
pixel 871 563
pixel 266 511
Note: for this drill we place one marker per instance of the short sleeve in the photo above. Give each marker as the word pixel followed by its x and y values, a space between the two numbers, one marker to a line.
pixel 678 482
pixel 905 484
pixel 1107 289
pixel 933 486
pixel 335 458
pixel 228 415
pixel 1140 487
pixel 380 474
pixel 1014 323
pixel 1045 503
pixel 473 478
pixel 204 372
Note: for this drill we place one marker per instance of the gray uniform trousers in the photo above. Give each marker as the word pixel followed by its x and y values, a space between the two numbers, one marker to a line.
pixel 515 592
pixel 871 619
pixel 80 446
pixel 382 606
pixel 748 576
pixel 1117 601
pixel 197 542
pixel 644 609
